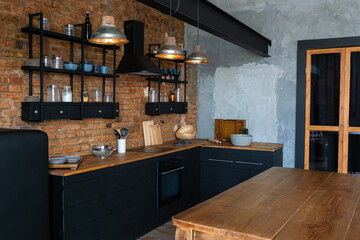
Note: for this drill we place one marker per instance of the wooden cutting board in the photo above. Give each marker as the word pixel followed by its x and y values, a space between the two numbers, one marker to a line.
pixel 155 134
pixel 147 139
pixel 225 127
pixel 72 166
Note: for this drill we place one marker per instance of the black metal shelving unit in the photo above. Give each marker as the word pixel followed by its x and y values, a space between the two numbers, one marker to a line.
pixel 157 108
pixel 40 111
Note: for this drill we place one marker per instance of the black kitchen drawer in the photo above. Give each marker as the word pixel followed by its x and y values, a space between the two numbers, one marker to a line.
pixel 31 111
pixel 165 108
pixel 62 111
pixel 84 191
pixel 100 110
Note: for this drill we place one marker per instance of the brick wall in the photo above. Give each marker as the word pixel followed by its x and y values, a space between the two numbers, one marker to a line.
pixel 75 136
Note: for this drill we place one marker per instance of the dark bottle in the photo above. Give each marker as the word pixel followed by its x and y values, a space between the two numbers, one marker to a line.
pixel 87 27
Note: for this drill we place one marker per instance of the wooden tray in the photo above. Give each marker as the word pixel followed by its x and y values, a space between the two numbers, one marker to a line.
pixel 72 166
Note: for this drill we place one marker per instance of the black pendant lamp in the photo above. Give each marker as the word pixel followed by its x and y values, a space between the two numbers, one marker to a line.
pixel 108 34
pixel 170 51
pixel 197 57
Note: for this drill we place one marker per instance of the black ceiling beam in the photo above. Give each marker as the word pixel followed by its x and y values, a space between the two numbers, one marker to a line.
pixel 215 21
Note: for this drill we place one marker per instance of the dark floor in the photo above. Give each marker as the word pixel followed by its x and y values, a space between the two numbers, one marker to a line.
pixel 164 232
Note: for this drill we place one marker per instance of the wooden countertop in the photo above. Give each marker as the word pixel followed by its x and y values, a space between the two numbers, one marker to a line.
pixel 91 162
pixel 278 204
pixel 271 147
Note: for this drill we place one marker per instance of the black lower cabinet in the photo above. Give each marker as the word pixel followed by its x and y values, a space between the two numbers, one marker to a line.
pixel 129 200
pixel 105 203
pixel 119 202
pixel 222 169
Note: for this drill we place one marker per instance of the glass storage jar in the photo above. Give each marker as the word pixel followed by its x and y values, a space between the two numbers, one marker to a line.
pixel 85 97
pixel 67 94
pixel 57 63
pixel 47 61
pixel 172 97
pixel 46 24
pixel 178 94
pixel 153 96
pixel 97 95
pixel 52 93
pixel 69 30
pixel 107 98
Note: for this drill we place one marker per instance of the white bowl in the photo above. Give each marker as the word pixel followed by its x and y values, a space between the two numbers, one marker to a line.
pixel 241 139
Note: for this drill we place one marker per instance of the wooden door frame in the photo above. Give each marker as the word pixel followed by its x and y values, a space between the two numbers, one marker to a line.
pixel 303 47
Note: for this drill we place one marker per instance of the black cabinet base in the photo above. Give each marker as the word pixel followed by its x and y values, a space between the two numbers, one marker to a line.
pixel 165 108
pixel 31 111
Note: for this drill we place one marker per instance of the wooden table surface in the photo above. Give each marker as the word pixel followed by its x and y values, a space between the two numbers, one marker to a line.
pixel 281 204
pixel 91 162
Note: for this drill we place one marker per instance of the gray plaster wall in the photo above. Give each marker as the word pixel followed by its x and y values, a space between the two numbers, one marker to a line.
pixel 242 85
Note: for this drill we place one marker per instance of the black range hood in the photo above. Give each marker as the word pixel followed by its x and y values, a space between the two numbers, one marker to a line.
pixel 134 61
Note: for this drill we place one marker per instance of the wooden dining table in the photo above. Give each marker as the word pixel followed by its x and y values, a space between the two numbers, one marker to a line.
pixel 281 204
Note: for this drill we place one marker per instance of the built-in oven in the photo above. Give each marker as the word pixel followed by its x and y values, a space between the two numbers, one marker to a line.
pixel 169 175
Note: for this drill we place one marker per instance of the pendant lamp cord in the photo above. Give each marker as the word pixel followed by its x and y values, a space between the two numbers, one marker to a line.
pixel 174 12
pixel 108 7
pixel 198 23
pixel 170 17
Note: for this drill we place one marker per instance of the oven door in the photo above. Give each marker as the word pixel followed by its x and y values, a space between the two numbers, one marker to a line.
pixel 169 182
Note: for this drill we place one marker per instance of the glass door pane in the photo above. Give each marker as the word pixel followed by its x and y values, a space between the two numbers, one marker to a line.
pixel 353 154
pixel 323 151
pixel 354 116
pixel 325 89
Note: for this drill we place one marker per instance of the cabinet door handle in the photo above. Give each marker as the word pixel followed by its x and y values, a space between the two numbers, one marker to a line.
pixel 61 112
pixel 171 109
pixel 36 111
pixel 249 163
pixel 117 110
pixel 220 160
pixel 173 170
pixel 100 111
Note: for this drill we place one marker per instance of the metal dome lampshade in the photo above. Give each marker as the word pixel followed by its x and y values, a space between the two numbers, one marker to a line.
pixel 170 50
pixel 197 57
pixel 108 34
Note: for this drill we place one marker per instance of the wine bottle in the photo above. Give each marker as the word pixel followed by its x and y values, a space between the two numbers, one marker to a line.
pixel 87 27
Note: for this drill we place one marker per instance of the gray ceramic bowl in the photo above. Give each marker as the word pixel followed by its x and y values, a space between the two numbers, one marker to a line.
pixel 73 159
pixel 57 160
pixel 102 151
pixel 241 139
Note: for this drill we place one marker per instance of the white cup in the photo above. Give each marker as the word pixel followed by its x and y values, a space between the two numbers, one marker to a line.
pixel 122 145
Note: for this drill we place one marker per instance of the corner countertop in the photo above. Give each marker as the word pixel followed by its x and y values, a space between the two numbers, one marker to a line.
pixel 91 162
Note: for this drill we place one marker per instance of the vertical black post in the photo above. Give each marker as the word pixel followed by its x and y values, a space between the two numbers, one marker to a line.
pixel 159 88
pixel 30 55
pixel 41 68
pixel 71 60
pixel 185 82
pixel 114 81
pixel 30 71
pixel 103 79
pixel 82 72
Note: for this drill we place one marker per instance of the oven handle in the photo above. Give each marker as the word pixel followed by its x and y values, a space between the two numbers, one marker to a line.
pixel 174 170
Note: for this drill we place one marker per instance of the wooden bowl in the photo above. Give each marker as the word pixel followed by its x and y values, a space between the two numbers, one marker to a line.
pixel 186 132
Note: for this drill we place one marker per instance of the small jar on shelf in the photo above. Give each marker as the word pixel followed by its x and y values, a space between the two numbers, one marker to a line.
pixel 67 94
pixel 172 97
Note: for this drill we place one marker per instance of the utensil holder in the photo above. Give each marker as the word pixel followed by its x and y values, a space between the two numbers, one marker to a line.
pixel 122 145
